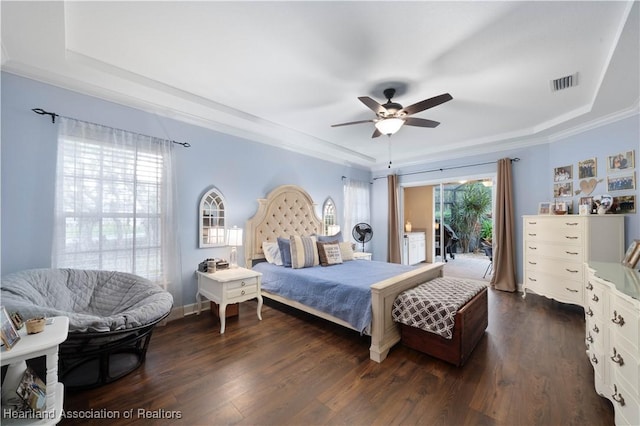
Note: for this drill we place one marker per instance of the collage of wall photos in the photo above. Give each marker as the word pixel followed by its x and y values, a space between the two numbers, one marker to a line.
pixel 613 190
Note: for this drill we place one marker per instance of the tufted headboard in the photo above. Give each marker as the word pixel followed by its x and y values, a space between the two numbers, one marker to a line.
pixel 287 210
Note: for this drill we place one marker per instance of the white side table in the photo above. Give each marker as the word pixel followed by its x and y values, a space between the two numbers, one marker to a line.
pixel 229 286
pixel 33 346
pixel 360 255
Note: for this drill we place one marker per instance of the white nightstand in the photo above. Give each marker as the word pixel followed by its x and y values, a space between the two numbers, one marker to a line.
pixel 228 286
pixel 360 255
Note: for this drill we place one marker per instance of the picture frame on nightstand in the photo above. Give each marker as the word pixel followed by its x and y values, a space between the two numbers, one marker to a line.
pixel 8 334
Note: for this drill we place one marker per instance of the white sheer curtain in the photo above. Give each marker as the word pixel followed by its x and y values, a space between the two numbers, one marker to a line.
pixel 356 206
pixel 115 204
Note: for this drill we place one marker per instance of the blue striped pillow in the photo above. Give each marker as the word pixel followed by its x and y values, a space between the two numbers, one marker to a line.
pixel 304 252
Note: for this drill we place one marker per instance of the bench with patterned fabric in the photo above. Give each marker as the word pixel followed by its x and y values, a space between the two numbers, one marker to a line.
pixel 444 318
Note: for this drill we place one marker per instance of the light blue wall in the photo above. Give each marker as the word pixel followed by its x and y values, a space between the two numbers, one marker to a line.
pixel 532 176
pixel 242 170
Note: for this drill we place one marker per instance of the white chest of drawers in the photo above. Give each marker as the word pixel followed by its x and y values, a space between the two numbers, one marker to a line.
pixel 612 314
pixel 556 248
pixel 414 248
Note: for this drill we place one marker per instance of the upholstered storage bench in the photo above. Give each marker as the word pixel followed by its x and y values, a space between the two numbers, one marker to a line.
pixel 444 318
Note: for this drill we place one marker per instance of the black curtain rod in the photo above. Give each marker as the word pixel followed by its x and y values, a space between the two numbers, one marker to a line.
pixel 513 160
pixel 53 115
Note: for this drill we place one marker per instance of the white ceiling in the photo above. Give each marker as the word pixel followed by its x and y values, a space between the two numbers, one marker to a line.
pixel 282 72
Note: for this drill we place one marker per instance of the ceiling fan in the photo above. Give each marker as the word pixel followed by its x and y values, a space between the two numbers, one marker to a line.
pixel 391 116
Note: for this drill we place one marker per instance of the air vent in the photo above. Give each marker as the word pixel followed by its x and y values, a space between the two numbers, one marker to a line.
pixel 564 82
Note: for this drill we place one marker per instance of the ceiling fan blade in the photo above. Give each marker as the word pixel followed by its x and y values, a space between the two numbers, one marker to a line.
pixel 420 122
pixel 352 122
pixel 376 133
pixel 372 104
pixel 427 103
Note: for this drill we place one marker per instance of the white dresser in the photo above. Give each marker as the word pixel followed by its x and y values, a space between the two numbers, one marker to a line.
pixel 556 248
pixel 612 314
pixel 414 248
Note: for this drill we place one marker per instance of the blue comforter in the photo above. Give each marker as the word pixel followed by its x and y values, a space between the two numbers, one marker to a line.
pixel 340 290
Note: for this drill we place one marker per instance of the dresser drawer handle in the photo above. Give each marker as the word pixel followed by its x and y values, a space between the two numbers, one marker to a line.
pixel 589 338
pixel 589 312
pixel 242 292
pixel 571 223
pixel 533 263
pixel 617 397
pixel 573 271
pixel 532 223
pixel 596 329
pixel 533 248
pixel 572 290
pixel 594 359
pixel 589 286
pixel 595 298
pixel 532 235
pixel 532 279
pixel 617 358
pixel 617 319
pixel 569 237
pixel 573 253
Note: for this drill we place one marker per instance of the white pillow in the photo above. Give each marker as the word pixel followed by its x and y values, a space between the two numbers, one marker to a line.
pixel 346 251
pixel 272 253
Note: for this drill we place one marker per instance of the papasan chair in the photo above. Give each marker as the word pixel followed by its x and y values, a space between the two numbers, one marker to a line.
pixel 111 318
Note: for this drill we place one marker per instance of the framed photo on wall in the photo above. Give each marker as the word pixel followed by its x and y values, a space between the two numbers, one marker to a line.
pixel 562 189
pixel 588 168
pixel 621 182
pixel 563 173
pixel 8 334
pixel 621 161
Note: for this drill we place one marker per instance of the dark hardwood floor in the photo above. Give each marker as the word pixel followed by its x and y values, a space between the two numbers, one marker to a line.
pixel 530 368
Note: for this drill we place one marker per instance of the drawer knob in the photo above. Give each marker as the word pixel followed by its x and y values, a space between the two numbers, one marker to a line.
pixel 573 271
pixel 242 284
pixel 589 312
pixel 617 358
pixel 571 290
pixel 594 359
pixel 242 292
pixel 617 319
pixel 589 338
pixel 595 298
pixel 596 329
pixel 617 397
pixel 589 286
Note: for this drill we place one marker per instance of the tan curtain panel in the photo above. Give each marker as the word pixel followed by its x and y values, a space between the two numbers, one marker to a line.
pixel 504 253
pixel 393 242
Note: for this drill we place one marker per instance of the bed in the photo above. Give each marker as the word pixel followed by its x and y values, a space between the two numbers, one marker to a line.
pixel 288 210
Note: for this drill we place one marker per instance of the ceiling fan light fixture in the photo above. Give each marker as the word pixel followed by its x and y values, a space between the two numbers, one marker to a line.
pixel 389 126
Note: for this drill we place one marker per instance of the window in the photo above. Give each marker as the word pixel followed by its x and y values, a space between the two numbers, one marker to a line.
pixel 356 203
pixel 114 202
pixel 212 219
pixel 328 217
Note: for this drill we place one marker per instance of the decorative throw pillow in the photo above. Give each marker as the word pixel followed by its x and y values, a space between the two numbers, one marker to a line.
pixel 272 253
pixel 285 251
pixel 304 252
pixel 346 251
pixel 329 253
pixel 330 238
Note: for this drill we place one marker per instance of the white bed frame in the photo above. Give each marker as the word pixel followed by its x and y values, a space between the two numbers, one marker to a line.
pixel 289 210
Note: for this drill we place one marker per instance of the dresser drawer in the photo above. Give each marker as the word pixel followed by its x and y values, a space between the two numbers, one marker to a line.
pixel 567 252
pixel 623 319
pixel 560 268
pixel 566 231
pixel 555 287
pixel 595 297
pixel 627 413
pixel 623 362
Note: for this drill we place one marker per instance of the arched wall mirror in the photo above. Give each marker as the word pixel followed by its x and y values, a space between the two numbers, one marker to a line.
pixel 212 221
pixel 329 221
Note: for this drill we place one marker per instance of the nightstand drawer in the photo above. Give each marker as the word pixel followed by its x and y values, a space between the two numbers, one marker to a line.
pixel 241 292
pixel 242 283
